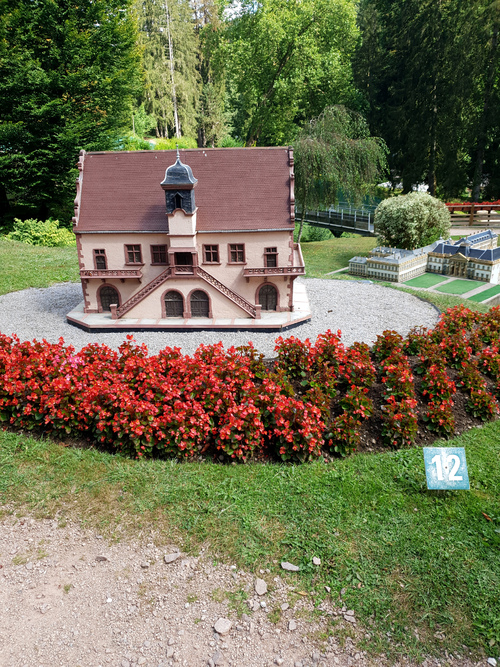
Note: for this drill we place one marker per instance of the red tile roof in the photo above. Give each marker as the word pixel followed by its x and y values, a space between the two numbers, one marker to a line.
pixel 238 189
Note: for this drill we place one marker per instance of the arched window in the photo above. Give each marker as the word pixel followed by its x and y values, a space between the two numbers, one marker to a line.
pixel 177 201
pixel 107 296
pixel 268 297
pixel 199 304
pixel 174 304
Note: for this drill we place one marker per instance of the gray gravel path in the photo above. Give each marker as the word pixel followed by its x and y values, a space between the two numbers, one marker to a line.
pixel 359 309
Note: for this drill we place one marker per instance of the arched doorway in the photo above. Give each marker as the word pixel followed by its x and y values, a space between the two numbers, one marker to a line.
pixel 268 297
pixel 174 304
pixel 199 304
pixel 108 295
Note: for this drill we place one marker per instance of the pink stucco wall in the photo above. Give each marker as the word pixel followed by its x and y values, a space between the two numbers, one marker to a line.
pixel 231 275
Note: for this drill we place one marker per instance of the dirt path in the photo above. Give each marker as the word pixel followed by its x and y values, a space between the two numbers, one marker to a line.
pixel 69 598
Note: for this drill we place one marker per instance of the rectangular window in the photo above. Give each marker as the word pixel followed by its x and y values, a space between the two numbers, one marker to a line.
pixel 211 254
pixel 271 257
pixel 100 259
pixel 133 254
pixel 159 254
pixel 237 253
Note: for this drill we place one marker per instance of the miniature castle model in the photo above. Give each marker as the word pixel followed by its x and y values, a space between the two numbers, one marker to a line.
pixel 476 257
pixel 209 246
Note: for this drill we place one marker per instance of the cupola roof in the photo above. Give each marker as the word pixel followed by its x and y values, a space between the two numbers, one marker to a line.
pixel 179 176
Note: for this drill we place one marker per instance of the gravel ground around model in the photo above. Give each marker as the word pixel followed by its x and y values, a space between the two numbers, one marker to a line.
pixel 360 310
pixel 68 597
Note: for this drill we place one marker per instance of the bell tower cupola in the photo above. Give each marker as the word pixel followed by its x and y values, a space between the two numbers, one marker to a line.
pixel 179 184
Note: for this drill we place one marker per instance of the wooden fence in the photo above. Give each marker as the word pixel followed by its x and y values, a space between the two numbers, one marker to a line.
pixel 474 215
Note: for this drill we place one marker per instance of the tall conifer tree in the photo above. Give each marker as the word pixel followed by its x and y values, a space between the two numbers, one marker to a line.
pixel 68 74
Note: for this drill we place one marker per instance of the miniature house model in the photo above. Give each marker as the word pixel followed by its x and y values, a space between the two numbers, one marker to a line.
pixel 476 257
pixel 193 239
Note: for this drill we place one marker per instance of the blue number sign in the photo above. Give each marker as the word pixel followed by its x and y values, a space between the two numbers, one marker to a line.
pixel 446 468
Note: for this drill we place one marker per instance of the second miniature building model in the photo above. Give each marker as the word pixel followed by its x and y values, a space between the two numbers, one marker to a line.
pixel 194 237
pixel 476 257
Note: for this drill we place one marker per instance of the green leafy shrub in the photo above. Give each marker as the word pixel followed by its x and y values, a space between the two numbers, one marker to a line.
pixel 36 232
pixel 134 143
pixel 173 142
pixel 311 234
pixel 411 221
pixel 229 142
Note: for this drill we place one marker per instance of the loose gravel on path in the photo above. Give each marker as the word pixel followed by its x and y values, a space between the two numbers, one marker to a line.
pixel 68 597
pixel 359 309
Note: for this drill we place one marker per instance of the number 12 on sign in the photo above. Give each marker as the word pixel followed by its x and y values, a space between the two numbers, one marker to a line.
pixel 446 468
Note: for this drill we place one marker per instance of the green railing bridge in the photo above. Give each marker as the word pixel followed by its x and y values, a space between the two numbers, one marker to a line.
pixel 342 218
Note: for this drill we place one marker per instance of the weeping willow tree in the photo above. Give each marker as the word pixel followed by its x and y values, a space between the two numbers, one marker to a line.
pixel 336 152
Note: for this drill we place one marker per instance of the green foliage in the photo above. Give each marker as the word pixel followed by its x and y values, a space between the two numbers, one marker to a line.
pixel 437 113
pixel 311 234
pixel 336 150
pixel 229 142
pixel 171 144
pixel 134 143
pixel 286 62
pixel 411 221
pixel 142 122
pixel 36 232
pixel 170 52
pixel 213 116
pixel 68 73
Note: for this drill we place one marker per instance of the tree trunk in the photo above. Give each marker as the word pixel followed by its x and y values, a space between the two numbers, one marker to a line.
pixel 43 211
pixel 252 137
pixel 4 203
pixel 301 226
pixel 202 140
pixel 483 124
pixel 171 59
pixel 431 177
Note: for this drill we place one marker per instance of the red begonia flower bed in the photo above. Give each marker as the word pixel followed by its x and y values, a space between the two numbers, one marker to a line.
pixel 313 400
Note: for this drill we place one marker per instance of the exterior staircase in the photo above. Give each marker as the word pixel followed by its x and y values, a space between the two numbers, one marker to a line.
pixel 226 291
pixel 142 293
pixel 253 311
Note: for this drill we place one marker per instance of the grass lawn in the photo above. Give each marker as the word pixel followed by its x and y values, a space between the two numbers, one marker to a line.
pixel 459 286
pixel 426 280
pixel 445 301
pixel 408 559
pixel 23 266
pixel 324 256
pixel 482 296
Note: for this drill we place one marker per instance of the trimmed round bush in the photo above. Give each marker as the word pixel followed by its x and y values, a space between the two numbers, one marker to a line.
pixel 411 221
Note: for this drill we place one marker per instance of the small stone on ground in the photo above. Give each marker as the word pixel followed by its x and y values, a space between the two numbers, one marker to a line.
pixel 260 587
pixel 223 626
pixel 290 567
